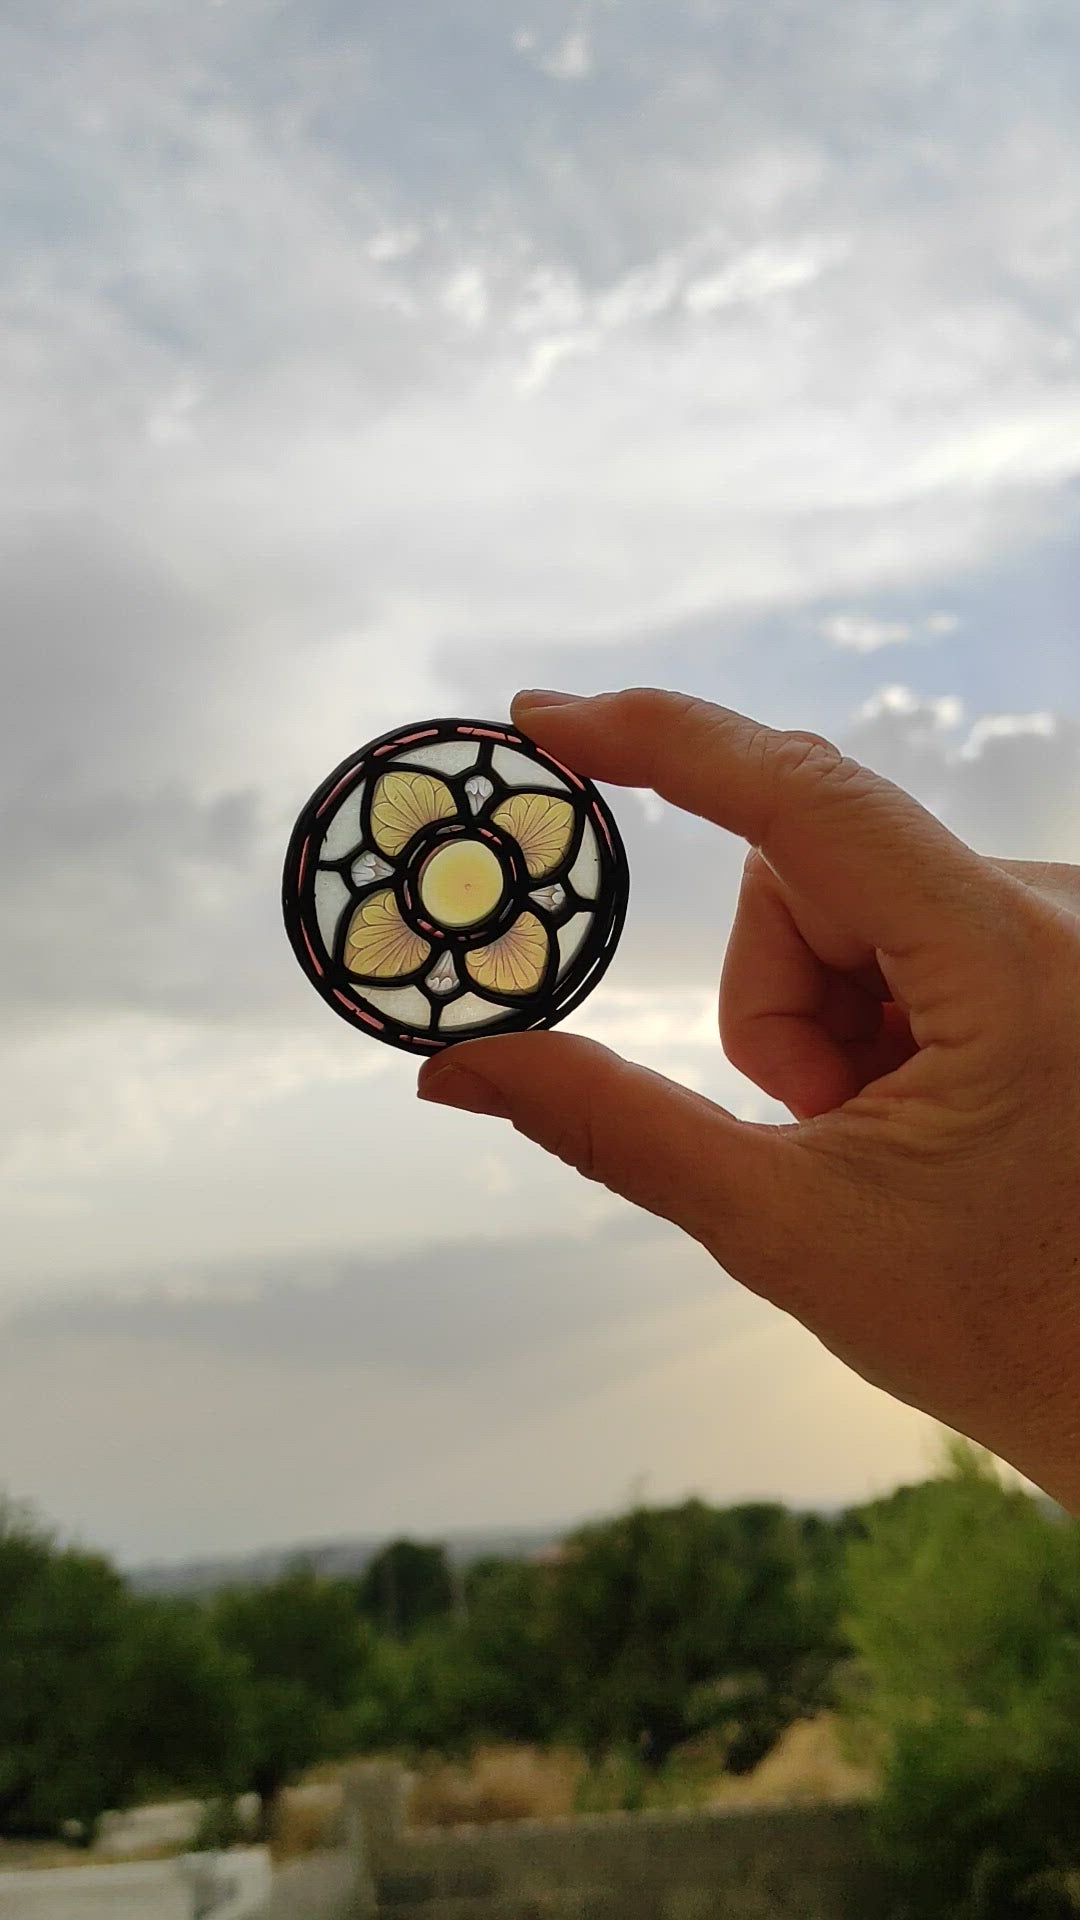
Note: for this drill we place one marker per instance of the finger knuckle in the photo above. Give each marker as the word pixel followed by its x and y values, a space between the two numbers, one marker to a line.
pixel 576 1144
pixel 799 755
pixel 756 872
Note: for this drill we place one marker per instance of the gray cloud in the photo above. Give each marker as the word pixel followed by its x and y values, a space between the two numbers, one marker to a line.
pixel 350 374
pixel 451 1311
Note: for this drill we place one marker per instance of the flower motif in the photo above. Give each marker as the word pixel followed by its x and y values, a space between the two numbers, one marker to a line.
pixel 451 879
pixel 541 824
pixel 443 977
pixel 515 962
pixel 380 943
pixel 403 803
pixel 550 897
pixel 368 868
pixel 479 789
pixel 461 883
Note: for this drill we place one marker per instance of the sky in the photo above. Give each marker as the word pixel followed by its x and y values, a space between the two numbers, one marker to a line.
pixel 360 364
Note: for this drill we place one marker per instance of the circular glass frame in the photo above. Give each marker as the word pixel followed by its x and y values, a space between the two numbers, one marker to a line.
pixel 352 888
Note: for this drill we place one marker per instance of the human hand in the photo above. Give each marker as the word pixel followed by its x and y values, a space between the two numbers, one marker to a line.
pixel 916 1007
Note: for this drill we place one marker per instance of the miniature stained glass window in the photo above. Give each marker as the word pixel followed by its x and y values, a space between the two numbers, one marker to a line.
pixel 450 880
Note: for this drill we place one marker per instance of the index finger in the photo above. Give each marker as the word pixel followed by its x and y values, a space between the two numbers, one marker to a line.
pixel 830 828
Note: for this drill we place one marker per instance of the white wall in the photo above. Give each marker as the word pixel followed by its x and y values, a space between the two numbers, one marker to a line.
pixel 150 1890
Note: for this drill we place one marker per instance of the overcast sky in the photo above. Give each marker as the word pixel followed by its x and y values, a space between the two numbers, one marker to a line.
pixel 360 363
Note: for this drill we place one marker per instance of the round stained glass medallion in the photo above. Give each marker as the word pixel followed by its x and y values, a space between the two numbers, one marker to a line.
pixel 451 880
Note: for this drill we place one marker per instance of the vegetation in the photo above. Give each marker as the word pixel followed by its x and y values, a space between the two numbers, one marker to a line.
pixel 656 1659
pixel 965 1614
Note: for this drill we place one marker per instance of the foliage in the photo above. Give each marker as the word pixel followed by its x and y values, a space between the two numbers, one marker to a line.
pixel 102 1695
pixel 220 1827
pixel 965 1612
pixel 405 1587
pixel 670 1621
pixel 303 1652
pixel 181 1697
pixel 62 1619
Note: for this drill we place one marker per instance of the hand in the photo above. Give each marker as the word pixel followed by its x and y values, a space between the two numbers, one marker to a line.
pixel 916 1007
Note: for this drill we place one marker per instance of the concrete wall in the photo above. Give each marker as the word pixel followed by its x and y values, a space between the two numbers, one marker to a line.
pixel 230 1886
pixel 768 1864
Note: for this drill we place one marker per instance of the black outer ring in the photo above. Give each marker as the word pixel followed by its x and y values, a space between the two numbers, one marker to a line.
pixel 553 1001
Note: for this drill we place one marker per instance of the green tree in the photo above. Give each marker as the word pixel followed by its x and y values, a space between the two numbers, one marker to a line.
pixel 180 1702
pixel 405 1587
pixel 965 1614
pixel 667 1621
pixel 304 1653
pixel 510 1650
pixel 63 1616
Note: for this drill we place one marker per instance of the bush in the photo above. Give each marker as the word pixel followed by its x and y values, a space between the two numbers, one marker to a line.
pixel 966 1614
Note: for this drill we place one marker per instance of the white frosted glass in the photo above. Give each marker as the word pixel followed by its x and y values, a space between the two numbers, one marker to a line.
pixel 470 1011
pixel 343 833
pixel 570 939
pixel 585 872
pixel 331 894
pixel 445 756
pixel 406 1004
pixel 519 771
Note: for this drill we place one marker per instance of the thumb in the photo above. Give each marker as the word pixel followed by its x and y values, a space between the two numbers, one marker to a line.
pixel 739 1188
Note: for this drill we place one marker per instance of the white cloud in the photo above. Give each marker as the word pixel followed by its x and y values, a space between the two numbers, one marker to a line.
pixel 572 58
pixel 317 370
pixel 466 297
pixel 859 633
pixel 394 243
pixel 942 712
pixel 762 272
pixel 1007 726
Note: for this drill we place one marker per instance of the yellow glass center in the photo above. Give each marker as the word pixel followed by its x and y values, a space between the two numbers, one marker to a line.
pixel 461 883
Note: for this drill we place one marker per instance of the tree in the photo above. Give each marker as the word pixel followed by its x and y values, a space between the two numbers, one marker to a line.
pixel 667 1621
pixel 510 1651
pixel 101 1694
pixel 63 1616
pixel 405 1587
pixel 965 1613
pixel 180 1705
pixel 303 1652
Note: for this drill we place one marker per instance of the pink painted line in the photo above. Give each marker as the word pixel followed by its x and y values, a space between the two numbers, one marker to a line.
pixel 331 797
pixel 488 733
pixel 357 1012
pixel 541 754
pixel 312 955
pixel 604 826
pixel 303 863
pixel 406 740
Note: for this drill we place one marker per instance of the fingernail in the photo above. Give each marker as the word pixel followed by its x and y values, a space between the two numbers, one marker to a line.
pixel 544 697
pixel 457 1087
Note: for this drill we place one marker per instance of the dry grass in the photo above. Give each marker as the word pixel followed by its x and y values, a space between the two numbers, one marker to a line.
pixel 498 1783
pixel 33 1856
pixel 813 1761
pixel 307 1819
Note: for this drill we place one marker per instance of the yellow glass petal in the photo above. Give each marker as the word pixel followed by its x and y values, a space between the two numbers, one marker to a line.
pixel 379 943
pixel 515 962
pixel 403 803
pixel 541 824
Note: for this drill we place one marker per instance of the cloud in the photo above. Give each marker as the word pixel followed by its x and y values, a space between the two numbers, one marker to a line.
pixel 1007 783
pixel 506 1384
pixel 861 634
pixel 571 59
pixel 351 374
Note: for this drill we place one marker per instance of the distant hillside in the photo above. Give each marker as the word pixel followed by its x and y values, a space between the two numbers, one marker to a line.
pixel 335 1558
